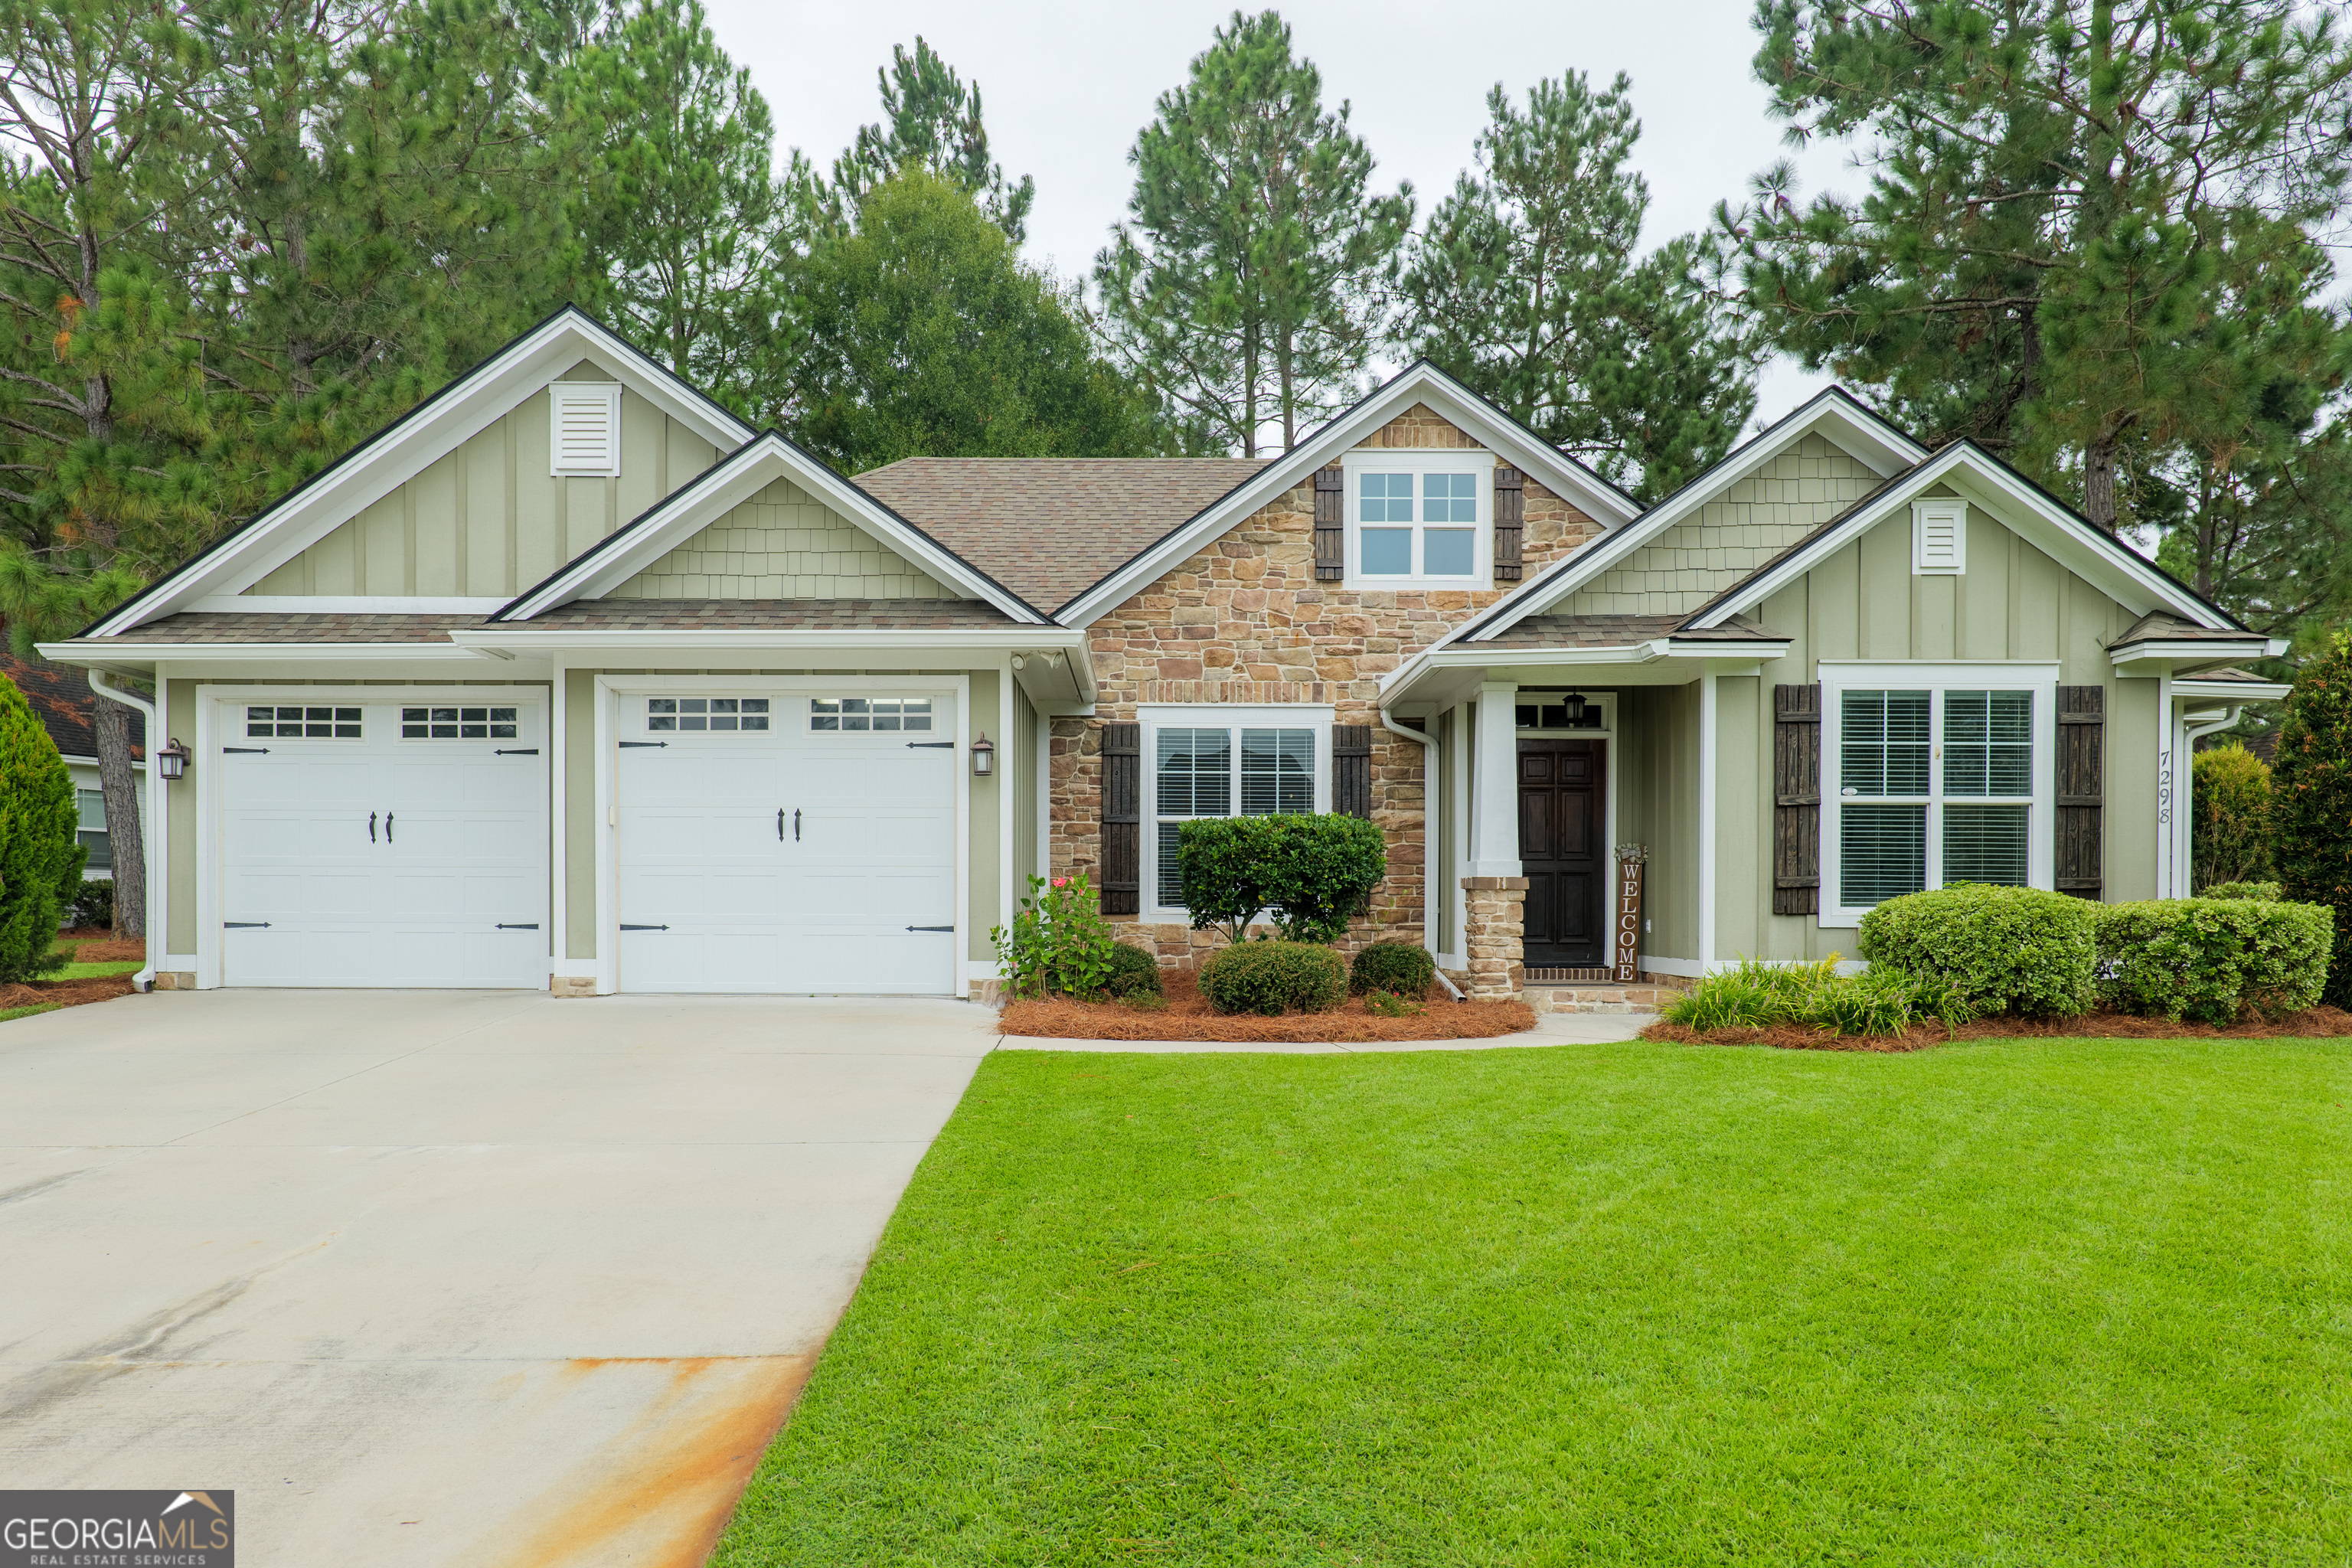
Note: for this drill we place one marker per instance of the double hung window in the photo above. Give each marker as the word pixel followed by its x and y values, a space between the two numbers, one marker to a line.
pixel 1937 784
pixel 1418 516
pixel 1271 764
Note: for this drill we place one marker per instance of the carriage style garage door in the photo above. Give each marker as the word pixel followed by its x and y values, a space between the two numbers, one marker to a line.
pixel 382 842
pixel 786 843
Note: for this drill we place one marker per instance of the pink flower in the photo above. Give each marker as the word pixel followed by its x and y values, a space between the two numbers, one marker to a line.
pixel 1061 881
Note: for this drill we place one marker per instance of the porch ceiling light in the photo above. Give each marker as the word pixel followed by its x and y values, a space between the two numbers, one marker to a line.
pixel 984 756
pixel 1575 710
pixel 171 760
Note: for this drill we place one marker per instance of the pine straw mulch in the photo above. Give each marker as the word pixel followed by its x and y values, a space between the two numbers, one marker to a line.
pixel 2317 1022
pixel 1189 1016
pixel 90 947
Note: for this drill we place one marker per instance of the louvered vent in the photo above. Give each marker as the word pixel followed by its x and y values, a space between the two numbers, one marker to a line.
pixel 1939 538
pixel 587 428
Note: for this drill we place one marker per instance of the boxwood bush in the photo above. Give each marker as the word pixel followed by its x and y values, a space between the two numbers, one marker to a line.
pixel 2214 959
pixel 1312 874
pixel 2266 892
pixel 1996 949
pixel 1133 972
pixel 1399 968
pixel 1274 977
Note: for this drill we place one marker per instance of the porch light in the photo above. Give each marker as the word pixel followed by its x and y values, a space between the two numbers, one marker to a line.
pixel 172 762
pixel 984 756
pixel 1575 709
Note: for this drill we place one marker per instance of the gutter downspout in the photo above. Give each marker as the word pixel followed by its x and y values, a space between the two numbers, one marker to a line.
pixel 1429 827
pixel 145 979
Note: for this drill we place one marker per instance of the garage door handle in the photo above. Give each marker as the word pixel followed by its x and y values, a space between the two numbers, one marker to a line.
pixel 387 828
pixel 780 825
pixel 245 751
pixel 930 928
pixel 518 925
pixel 625 926
pixel 517 752
pixel 626 745
pixel 931 746
pixel 796 828
pixel 246 925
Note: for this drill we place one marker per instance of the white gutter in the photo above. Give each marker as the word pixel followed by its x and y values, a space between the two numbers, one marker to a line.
pixel 148 830
pixel 1429 827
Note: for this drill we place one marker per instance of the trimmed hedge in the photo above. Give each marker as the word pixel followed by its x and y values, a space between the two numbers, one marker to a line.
pixel 1311 873
pixel 2214 959
pixel 2266 892
pixel 1274 977
pixel 1399 968
pixel 1133 972
pixel 1994 950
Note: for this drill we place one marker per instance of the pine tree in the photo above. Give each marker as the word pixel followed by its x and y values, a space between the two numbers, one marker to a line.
pixel 1244 290
pixel 2088 239
pixel 2311 799
pixel 933 119
pixel 1527 286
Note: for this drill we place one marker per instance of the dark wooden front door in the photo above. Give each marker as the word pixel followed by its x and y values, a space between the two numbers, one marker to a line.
pixel 1563 817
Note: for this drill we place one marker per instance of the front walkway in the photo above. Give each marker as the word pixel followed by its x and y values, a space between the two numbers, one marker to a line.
pixel 444 1277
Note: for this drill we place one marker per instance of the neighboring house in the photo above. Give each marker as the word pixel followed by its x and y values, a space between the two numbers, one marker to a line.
pixel 60 694
pixel 571 677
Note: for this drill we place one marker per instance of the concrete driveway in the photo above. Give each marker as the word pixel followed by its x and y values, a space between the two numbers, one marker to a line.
pixel 444 1277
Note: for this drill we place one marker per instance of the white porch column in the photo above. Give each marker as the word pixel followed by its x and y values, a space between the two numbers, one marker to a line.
pixel 1707 761
pixel 1494 790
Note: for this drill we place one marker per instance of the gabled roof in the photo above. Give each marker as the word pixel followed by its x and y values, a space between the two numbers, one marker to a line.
pixel 1420 382
pixel 733 480
pixel 1836 414
pixel 414 442
pixel 1050 528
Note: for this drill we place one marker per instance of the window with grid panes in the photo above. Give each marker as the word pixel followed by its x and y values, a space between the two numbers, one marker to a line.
pixel 1418 525
pixel 1935 786
pixel 705 715
pixel 1215 771
pixel 457 723
pixel 288 723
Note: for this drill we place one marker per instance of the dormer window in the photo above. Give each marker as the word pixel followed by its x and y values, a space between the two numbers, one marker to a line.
pixel 585 429
pixel 1420 519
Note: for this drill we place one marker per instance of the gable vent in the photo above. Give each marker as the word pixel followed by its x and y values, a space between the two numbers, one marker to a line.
pixel 1939 538
pixel 586 428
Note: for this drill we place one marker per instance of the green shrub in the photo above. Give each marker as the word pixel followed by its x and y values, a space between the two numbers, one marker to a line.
pixel 1757 995
pixel 2265 893
pixel 1057 942
pixel 41 854
pixel 2311 799
pixel 1994 950
pixel 1389 1006
pixel 2214 959
pixel 2228 816
pixel 1399 968
pixel 1312 874
pixel 1274 977
pixel 93 904
pixel 1133 972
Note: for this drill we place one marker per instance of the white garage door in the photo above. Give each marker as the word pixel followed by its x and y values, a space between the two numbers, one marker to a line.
pixel 787 843
pixel 383 843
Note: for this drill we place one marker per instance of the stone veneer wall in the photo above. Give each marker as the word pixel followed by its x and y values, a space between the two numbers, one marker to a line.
pixel 1245 622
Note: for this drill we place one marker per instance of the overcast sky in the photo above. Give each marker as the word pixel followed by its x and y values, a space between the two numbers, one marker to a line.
pixel 1067 86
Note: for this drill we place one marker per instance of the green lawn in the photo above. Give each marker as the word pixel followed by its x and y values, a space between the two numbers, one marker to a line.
pixel 2005 1302
pixel 91 971
pixel 9 1014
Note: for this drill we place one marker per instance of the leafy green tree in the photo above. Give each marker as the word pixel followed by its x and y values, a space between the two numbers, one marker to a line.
pixel 1244 290
pixel 932 119
pixel 2089 238
pixel 2311 799
pixel 1527 287
pixel 41 854
pixel 927 337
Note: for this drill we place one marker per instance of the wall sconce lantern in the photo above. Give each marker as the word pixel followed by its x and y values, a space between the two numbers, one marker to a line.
pixel 172 762
pixel 1575 710
pixel 984 757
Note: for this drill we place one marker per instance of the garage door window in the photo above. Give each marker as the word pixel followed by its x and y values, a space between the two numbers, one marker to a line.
pixel 457 723
pixel 290 723
pixel 671 715
pixel 869 713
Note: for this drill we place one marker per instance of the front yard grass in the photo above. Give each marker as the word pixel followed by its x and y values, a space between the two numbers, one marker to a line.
pixel 2043 1301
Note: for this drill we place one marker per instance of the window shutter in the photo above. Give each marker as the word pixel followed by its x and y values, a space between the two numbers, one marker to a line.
pixel 1122 813
pixel 1510 521
pixel 1796 800
pixel 1351 770
pixel 2082 790
pixel 1330 525
pixel 585 428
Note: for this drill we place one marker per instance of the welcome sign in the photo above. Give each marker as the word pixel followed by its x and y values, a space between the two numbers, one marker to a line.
pixel 1626 966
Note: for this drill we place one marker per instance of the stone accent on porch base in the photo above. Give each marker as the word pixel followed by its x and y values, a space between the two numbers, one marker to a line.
pixel 1496 930
pixel 570 986
pixel 1641 999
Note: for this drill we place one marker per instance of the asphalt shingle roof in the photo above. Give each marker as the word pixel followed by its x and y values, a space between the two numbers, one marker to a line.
pixel 1623 631
pixel 61 696
pixel 281 626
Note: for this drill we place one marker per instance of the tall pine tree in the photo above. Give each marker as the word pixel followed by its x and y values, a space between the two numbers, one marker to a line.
pixel 932 119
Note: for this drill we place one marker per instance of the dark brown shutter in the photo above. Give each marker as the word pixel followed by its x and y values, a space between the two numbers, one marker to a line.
pixel 1330 525
pixel 1510 521
pixel 1123 817
pixel 1351 770
pixel 1796 800
pixel 2082 790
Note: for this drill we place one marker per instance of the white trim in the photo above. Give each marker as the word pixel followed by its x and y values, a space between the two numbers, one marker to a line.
pixel 1420 382
pixel 414 443
pixel 1495 785
pixel 1607 702
pixel 1044 764
pixel 114 655
pixel 1009 763
pixel 1152 716
pixel 727 484
pixel 1939 538
pixel 2002 675
pixel 1687 968
pixel 1709 750
pixel 1419 462
pixel 2239 691
pixel 341 605
pixel 1458 735
pixel 558 832
pixel 602 395
pixel 2205 652
pixel 2169 778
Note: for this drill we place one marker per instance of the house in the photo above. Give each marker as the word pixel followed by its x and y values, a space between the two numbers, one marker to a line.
pixel 61 698
pixel 571 678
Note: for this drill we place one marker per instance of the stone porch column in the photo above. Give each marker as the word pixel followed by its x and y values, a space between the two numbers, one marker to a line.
pixel 1493 934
